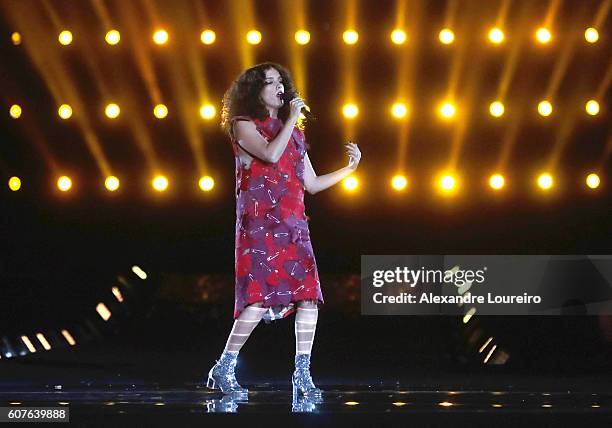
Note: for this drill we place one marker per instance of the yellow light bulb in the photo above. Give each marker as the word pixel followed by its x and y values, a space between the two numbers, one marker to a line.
pixel 497 181
pixel 112 37
pixel 208 37
pixel 160 111
pixel 496 109
pixel 111 183
pixel 496 35
pixel 350 111
pixel 350 37
pixel 64 111
pixel 302 37
pixel 446 36
pixel 14 183
pixel 65 38
pixel 593 181
pixel 398 37
pixel 15 111
pixel 543 35
pixel 112 111
pixel 208 111
pixel 592 107
pixel 545 108
pixel 160 37
pixel 206 183
pixel 253 37
pixel 399 182
pixel 591 35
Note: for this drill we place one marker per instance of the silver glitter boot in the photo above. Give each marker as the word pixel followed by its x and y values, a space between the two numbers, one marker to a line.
pixel 301 379
pixel 221 375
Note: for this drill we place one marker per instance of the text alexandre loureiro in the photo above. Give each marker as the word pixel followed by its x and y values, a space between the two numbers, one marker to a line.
pixel 462 279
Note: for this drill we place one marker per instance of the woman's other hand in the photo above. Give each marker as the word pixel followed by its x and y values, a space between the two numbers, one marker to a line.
pixel 354 155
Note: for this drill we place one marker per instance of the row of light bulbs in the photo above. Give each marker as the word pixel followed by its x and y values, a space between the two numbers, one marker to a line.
pixel 112 111
pixel 159 183
pixel 446 182
pixel 448 110
pixel 446 36
pixel 398 110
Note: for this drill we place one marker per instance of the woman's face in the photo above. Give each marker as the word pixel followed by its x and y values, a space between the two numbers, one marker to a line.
pixel 272 90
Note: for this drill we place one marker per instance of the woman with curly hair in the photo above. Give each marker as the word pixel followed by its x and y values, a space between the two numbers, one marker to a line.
pixel 275 268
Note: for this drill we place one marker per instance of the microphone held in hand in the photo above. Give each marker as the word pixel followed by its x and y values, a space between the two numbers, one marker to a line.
pixel 287 97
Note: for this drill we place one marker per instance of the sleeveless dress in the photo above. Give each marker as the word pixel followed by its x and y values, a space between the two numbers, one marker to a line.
pixel 274 258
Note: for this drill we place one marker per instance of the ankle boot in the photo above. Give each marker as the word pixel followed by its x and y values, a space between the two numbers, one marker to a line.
pixel 301 379
pixel 221 375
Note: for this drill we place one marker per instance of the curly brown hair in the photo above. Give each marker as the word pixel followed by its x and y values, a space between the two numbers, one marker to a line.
pixel 243 99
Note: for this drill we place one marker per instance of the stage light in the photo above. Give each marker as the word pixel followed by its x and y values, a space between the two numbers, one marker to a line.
pixel 496 109
pixel 117 293
pixel 446 36
pixel 160 183
pixel 64 111
pixel 398 37
pixel 253 37
pixel 591 35
pixel 16 38
pixel 399 110
pixel 112 37
pixel 592 107
pixel 43 341
pixel 350 183
pixel 350 37
pixel 139 272
pixel 208 111
pixel 593 181
pixel 25 339
pixel 496 181
pixel 448 183
pixel 208 37
pixel 15 111
pixel 399 182
pixel 545 108
pixel 103 311
pixel 112 111
pixel 543 35
pixel 206 183
pixel 64 183
pixel 68 337
pixel 496 35
pixel 14 183
pixel 448 110
pixel 302 37
pixel 111 183
pixel 160 111
pixel 350 111
pixel 160 37
pixel 545 181
pixel 65 37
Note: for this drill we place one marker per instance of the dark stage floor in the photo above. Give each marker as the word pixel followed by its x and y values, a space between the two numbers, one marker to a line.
pixel 151 373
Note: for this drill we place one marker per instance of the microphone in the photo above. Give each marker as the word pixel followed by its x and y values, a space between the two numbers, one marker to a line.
pixel 287 97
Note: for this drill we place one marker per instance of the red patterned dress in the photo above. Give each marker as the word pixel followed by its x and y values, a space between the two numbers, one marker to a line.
pixel 274 259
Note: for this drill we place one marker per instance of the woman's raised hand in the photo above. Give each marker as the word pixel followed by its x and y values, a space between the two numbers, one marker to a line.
pixel 296 105
pixel 354 155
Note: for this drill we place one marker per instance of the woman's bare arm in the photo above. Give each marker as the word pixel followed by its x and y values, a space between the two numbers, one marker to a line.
pixel 314 183
pixel 247 135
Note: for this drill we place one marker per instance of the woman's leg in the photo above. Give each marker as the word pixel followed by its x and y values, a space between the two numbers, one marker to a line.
pixel 222 374
pixel 244 326
pixel 305 327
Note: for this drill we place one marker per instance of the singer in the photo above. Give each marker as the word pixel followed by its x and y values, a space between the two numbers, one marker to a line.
pixel 275 267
